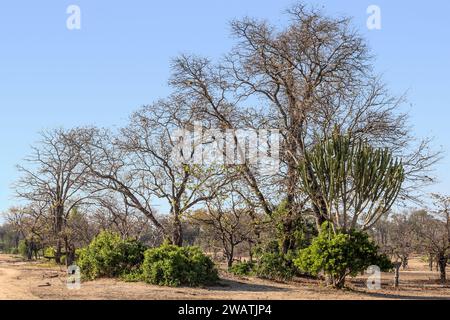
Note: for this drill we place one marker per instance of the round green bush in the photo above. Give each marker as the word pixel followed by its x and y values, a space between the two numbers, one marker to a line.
pixel 338 255
pixel 49 252
pixel 110 256
pixel 174 266
pixel 273 264
pixel 242 268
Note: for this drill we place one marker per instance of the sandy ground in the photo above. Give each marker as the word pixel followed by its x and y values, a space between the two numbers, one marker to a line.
pixel 25 280
pixel 12 286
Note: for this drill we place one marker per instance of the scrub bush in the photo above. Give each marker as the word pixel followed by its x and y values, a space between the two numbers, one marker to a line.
pixel 110 256
pixel 174 266
pixel 338 255
pixel 242 268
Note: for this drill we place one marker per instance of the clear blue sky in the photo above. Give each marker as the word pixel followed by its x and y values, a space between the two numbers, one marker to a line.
pixel 119 60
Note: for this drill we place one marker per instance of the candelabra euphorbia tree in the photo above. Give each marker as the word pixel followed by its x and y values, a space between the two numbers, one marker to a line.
pixel 352 183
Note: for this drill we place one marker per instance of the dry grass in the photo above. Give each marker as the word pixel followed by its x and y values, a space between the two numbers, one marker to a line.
pixel 24 280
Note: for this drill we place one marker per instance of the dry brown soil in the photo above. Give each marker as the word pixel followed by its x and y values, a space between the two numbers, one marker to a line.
pixel 38 280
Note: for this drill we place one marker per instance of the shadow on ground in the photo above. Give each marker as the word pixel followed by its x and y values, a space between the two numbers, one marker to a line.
pixel 234 285
pixel 397 296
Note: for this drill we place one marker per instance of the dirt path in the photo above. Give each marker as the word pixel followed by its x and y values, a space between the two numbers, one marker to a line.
pixel 11 285
pixel 24 280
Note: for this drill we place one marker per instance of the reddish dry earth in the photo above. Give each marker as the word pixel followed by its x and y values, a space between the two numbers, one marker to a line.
pixel 25 280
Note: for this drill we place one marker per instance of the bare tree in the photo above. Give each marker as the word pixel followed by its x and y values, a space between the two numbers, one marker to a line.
pixel 56 177
pixel 9 237
pixel 396 238
pixel 78 233
pixel 151 144
pixel 228 220
pixel 311 76
pixel 111 211
pixel 141 163
pixel 432 237
pixel 442 213
pixel 401 238
pixel 109 170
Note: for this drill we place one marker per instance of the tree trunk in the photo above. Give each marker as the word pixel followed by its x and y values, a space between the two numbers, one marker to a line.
pixel 34 249
pixel 70 256
pixel 430 262
pixel 442 265
pixel 16 241
pixel 404 262
pixel 230 261
pixel 339 282
pixel 177 233
pixel 59 212
pixel 250 252
pixel 29 250
pixel 70 252
pixel 397 266
pixel 319 206
pixel 288 241
pixel 58 251
pixel 230 256
pixel 291 183
pixel 319 220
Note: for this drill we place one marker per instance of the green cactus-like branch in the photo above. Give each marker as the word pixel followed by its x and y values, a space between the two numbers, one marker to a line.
pixel 351 182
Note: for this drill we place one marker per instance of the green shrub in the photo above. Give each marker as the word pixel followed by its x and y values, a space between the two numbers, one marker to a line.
pixel 23 248
pixel 293 232
pixel 110 256
pixel 340 255
pixel 132 276
pixel 242 268
pixel 169 265
pixel 273 264
pixel 14 251
pixel 49 252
